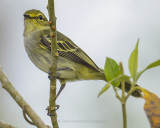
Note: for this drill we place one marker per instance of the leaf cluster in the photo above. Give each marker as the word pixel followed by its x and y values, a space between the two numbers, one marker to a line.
pixel 113 71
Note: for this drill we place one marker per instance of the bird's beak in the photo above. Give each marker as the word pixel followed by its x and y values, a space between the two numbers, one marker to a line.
pixel 26 16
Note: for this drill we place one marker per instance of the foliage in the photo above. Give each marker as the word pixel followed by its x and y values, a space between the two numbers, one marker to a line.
pixel 115 76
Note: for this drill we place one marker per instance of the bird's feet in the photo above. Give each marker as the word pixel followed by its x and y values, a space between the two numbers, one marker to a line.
pixel 49 111
pixel 53 77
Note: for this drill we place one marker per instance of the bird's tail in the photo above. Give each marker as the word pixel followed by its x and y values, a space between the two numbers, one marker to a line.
pixel 136 93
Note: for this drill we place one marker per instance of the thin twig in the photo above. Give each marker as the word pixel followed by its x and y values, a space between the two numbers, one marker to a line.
pixel 6 84
pixel 53 35
pixel 25 116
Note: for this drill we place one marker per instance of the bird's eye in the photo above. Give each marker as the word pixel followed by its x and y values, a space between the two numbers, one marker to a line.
pixel 41 17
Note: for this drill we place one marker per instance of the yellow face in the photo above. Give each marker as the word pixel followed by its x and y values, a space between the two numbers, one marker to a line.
pixel 35 19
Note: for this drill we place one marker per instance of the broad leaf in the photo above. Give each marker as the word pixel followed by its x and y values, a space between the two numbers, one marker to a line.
pixel 152 108
pixel 133 61
pixel 152 65
pixel 111 70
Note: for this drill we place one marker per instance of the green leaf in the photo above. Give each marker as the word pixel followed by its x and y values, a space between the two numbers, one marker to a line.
pixel 133 61
pixel 105 88
pixel 116 80
pixel 152 65
pixel 111 70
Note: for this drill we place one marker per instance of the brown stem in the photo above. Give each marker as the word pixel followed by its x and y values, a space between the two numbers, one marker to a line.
pixel 6 84
pixel 53 35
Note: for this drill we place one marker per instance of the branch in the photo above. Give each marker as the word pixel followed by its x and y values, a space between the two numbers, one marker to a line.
pixel 123 101
pixel 53 35
pixel 6 125
pixel 6 84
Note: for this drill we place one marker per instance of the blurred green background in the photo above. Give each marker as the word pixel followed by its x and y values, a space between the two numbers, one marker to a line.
pixel 101 28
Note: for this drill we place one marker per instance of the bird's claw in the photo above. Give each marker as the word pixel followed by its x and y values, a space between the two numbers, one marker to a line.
pixel 49 113
pixel 53 77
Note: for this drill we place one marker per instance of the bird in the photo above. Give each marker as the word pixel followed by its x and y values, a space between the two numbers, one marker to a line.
pixel 73 63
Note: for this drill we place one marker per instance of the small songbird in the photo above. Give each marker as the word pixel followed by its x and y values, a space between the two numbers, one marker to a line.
pixel 73 63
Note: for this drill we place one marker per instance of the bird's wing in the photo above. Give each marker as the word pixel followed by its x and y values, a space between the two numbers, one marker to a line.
pixel 67 49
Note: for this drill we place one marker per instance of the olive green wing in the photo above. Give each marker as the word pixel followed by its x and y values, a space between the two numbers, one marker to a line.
pixel 67 49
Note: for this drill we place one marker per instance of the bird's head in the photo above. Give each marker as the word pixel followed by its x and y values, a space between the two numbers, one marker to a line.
pixel 34 19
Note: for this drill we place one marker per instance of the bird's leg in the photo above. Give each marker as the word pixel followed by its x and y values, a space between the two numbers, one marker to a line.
pixel 53 77
pixel 57 106
pixel 63 83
